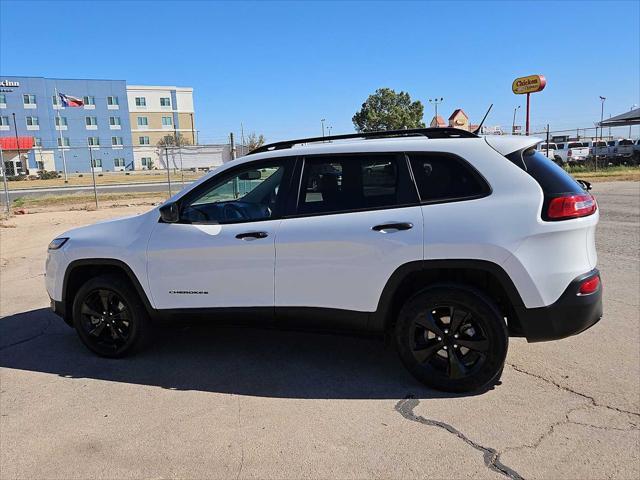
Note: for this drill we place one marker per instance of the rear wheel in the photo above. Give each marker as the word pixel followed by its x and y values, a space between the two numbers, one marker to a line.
pixel 452 338
pixel 109 316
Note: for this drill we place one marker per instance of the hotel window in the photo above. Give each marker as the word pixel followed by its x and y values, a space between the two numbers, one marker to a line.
pixel 3 99
pixel 112 100
pixel 32 121
pixel 93 141
pixel 55 100
pixel 91 121
pixel 165 102
pixel 37 141
pixel 145 161
pixel 97 162
pixel 64 141
pixel 118 162
pixel 116 141
pixel 4 121
pixel 29 99
pixel 61 121
pixel 89 100
pixel 143 140
pixel 143 121
pixel 141 102
pixel 167 121
pixel 114 121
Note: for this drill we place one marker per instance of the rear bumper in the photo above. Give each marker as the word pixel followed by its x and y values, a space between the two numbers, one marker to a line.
pixel 569 315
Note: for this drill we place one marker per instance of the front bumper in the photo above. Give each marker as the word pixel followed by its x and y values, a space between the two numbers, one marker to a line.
pixel 569 315
pixel 59 309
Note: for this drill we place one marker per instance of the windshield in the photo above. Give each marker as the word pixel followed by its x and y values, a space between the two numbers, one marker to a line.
pixel 575 145
pixel 626 142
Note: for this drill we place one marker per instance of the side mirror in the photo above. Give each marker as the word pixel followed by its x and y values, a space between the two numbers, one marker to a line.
pixel 251 175
pixel 170 213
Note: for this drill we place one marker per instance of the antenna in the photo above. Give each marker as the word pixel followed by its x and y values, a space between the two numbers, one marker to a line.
pixel 477 130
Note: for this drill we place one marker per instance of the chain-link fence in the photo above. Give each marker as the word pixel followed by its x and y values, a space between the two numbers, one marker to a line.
pixel 107 172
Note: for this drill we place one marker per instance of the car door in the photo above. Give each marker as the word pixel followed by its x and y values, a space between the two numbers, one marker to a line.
pixel 221 252
pixel 355 221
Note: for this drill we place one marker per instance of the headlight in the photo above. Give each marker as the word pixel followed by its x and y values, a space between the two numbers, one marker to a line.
pixel 56 243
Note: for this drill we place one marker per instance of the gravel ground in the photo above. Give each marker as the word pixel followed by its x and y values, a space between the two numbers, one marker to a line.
pixel 243 403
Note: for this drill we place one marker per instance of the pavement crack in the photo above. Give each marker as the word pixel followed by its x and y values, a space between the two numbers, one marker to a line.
pixel 28 339
pixel 591 399
pixel 490 456
pixel 241 442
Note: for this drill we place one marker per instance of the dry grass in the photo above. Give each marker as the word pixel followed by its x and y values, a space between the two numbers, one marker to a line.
pixel 86 201
pixel 107 178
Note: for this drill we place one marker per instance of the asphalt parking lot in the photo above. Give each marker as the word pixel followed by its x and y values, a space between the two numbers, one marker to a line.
pixel 207 402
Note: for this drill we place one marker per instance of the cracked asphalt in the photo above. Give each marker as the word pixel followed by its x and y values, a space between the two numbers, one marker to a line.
pixel 207 402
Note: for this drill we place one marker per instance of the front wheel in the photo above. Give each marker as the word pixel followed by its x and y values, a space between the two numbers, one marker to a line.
pixel 452 338
pixel 109 317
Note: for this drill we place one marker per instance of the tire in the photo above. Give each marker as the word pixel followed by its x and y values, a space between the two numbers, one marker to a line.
pixel 125 331
pixel 425 342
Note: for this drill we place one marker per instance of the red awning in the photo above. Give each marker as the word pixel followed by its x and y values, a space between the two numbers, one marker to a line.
pixel 11 143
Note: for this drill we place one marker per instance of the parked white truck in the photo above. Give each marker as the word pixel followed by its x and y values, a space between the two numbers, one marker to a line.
pixel 571 152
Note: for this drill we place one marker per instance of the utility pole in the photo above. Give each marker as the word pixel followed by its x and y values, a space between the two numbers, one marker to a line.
pixel 232 146
pixel 15 128
pixel 513 125
pixel 4 180
pixel 166 157
pixel 632 107
pixel 547 140
pixel 435 102
pixel 93 175
pixel 322 120
pixel 602 100
pixel 193 131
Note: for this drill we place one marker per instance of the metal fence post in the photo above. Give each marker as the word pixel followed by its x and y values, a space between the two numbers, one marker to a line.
pixel 4 180
pixel 93 174
pixel 166 156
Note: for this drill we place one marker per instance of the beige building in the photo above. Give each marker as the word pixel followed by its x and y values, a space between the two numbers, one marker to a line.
pixel 459 119
pixel 156 112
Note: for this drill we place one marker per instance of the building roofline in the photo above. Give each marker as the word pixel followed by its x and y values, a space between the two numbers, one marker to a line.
pixel 157 87
pixel 58 78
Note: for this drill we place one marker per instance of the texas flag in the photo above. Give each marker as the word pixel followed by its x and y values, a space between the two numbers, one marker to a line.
pixel 69 101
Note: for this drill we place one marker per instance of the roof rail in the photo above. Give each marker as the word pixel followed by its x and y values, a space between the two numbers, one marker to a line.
pixel 446 132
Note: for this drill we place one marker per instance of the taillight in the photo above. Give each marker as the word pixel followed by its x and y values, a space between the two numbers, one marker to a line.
pixel 571 206
pixel 589 286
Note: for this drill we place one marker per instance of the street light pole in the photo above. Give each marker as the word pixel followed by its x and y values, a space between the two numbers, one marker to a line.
pixel 632 107
pixel 602 99
pixel 513 125
pixel 435 102
pixel 322 121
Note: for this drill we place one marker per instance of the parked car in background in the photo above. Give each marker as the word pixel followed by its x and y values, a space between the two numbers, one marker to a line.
pixel 548 150
pixel 620 149
pixel 571 152
pixel 599 148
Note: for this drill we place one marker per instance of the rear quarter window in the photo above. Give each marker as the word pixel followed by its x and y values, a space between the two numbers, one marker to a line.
pixel 445 177
pixel 552 179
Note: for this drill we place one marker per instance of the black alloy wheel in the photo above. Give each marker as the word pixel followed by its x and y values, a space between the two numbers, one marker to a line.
pixel 449 340
pixel 452 339
pixel 106 320
pixel 109 316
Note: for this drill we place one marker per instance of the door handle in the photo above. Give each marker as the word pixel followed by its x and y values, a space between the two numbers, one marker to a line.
pixel 386 227
pixel 251 235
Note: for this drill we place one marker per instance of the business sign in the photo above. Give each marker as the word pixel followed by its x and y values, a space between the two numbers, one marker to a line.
pixel 530 84
pixel 9 83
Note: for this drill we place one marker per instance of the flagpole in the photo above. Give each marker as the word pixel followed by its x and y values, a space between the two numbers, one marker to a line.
pixel 64 160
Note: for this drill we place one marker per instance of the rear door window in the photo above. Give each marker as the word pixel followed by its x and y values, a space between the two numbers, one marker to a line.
pixel 446 177
pixel 342 183
pixel 552 178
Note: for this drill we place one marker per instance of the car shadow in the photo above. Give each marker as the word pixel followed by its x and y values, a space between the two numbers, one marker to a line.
pixel 209 358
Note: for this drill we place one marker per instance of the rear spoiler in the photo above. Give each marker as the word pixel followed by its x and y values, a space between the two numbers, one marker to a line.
pixel 506 144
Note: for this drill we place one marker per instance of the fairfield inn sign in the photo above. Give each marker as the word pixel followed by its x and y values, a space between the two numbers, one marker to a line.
pixel 9 83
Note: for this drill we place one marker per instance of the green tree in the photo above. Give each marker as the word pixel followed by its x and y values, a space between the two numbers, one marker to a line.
pixel 388 110
pixel 254 141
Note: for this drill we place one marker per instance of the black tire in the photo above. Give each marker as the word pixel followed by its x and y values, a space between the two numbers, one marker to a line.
pixel 109 316
pixel 426 338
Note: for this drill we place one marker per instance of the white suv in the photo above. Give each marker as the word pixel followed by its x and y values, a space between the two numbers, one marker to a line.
pixel 448 241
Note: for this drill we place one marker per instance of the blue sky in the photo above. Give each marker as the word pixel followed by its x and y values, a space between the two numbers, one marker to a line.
pixel 279 67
